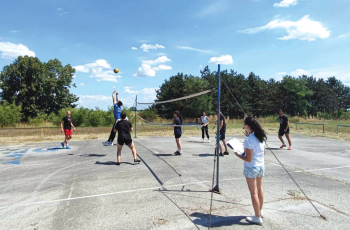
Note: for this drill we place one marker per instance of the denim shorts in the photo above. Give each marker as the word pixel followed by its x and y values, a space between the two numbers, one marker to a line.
pixel 254 172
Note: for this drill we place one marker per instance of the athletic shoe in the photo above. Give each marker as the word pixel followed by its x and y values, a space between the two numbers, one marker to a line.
pixel 255 220
pixel 68 147
pixel 282 146
pixel 177 153
pixel 226 153
pixel 105 143
pixel 208 141
pixel 137 160
pixel 62 143
pixel 221 155
pixel 203 140
pixel 290 148
pixel 118 163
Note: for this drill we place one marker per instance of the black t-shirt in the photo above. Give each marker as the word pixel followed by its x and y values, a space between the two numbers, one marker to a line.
pixel 283 121
pixel 124 128
pixel 222 118
pixel 177 129
pixel 67 121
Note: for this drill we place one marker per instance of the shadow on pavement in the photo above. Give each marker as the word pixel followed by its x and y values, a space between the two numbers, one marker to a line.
pixel 113 163
pixel 164 155
pixel 204 155
pixel 92 155
pixel 218 221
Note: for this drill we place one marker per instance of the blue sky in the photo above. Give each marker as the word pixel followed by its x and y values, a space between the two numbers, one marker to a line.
pixel 149 41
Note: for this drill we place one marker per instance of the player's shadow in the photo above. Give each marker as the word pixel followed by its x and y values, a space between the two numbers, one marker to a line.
pixel 204 155
pixel 164 155
pixel 54 148
pixel 274 149
pixel 92 155
pixel 113 163
pixel 197 142
pixel 218 221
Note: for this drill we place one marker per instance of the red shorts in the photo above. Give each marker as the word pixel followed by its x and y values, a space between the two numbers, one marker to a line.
pixel 68 132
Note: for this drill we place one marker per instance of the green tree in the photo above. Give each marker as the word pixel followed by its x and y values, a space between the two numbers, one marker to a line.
pixel 10 114
pixel 38 87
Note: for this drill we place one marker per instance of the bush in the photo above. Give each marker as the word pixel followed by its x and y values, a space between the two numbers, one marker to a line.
pixel 10 114
pixel 149 114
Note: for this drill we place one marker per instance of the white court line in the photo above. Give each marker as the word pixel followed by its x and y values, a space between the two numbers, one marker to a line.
pixel 311 170
pixel 113 193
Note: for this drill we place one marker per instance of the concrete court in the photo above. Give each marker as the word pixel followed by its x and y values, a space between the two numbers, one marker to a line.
pixel 46 187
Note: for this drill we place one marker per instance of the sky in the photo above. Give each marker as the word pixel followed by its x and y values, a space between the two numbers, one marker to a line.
pixel 151 40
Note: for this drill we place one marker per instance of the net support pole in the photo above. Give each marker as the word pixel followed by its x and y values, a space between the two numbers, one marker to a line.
pixel 216 188
pixel 135 115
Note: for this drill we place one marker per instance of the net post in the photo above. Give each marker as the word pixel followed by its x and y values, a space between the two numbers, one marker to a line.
pixel 135 115
pixel 216 188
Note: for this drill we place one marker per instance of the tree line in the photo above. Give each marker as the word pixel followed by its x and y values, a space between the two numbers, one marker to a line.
pixel 303 96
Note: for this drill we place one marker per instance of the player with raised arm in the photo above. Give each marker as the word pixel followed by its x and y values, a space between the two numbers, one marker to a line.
pixel 117 110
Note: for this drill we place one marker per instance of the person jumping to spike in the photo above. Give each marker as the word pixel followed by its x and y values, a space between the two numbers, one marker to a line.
pixel 205 122
pixel 124 127
pixel 284 129
pixel 116 112
pixel 67 129
pixel 177 131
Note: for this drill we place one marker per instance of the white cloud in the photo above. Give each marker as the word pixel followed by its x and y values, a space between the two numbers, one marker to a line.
pixel 224 60
pixel 11 51
pixel 286 3
pixel 81 68
pixel 304 29
pixel 300 72
pixel 134 48
pixel 146 70
pixel 59 9
pixel 14 31
pixel 100 69
pixel 82 84
pixel 214 8
pixel 146 47
pixel 343 36
pixel 194 49
pixel 161 59
pixel 128 89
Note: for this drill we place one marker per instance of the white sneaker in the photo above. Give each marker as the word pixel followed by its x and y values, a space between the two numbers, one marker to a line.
pixel 208 141
pixel 255 220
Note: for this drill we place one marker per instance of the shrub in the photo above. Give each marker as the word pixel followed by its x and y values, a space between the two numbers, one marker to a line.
pixel 10 114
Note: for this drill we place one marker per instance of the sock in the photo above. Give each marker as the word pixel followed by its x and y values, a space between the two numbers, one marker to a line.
pixel 180 151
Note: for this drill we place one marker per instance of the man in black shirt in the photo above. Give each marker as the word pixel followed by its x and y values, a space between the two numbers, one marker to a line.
pixel 222 134
pixel 67 129
pixel 284 129
pixel 123 127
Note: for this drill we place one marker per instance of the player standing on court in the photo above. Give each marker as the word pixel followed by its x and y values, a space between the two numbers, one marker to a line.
pixel 67 129
pixel 124 127
pixel 284 129
pixel 205 122
pixel 177 131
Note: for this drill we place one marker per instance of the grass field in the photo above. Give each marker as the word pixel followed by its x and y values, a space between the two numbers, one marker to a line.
pixel 23 135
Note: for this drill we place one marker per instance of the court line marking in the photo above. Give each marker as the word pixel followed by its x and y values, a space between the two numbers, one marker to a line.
pixel 113 193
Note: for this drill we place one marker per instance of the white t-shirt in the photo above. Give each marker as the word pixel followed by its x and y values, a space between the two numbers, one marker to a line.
pixel 251 142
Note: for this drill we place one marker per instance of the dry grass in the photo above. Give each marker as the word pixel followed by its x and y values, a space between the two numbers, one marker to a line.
pixel 234 127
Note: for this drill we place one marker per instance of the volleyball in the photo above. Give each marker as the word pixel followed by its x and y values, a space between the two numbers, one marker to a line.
pixel 116 70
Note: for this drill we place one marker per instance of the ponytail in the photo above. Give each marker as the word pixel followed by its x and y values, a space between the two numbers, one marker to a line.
pixel 178 115
pixel 256 128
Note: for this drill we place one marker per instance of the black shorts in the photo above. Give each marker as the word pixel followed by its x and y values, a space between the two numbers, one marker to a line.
pixel 281 132
pixel 124 140
pixel 222 134
pixel 177 135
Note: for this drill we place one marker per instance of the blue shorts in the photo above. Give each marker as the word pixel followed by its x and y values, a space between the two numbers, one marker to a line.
pixel 254 172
